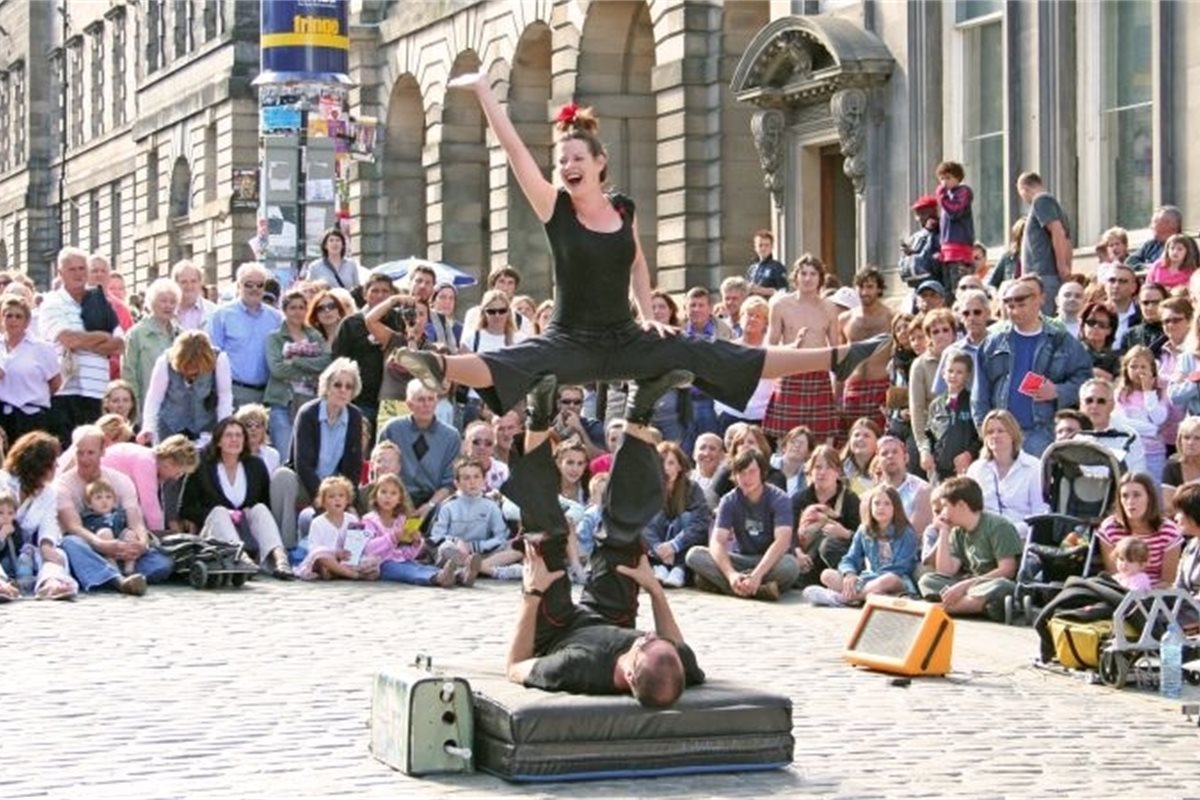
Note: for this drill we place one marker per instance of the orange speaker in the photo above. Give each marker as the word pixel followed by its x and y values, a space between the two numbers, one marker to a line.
pixel 903 637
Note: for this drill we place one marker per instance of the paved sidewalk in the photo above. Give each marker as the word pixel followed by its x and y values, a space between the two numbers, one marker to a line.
pixel 265 693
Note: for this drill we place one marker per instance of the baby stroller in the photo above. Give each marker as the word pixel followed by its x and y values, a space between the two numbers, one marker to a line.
pixel 1079 480
pixel 206 563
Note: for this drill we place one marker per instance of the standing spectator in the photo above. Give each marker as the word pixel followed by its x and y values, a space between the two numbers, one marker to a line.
pixel 674 408
pixel 240 329
pixel 733 294
pixel 326 310
pixel 194 309
pixel 918 254
pixel 443 329
pixel 506 280
pixel 956 224
pixel 1164 223
pixel 974 316
pixel 1046 246
pixel 1023 347
pixel 83 349
pixel 924 374
pixel 189 392
pixel 297 354
pixel 753 324
pixel 1008 266
pixel 953 440
pixel 865 393
pixel 99 273
pixel 334 266
pixel 152 336
pixel 1143 405
pixel 766 275
pixel 29 373
pixel 355 342
pixel 428 449
pixel 1177 263
pixel 701 324
pixel 327 440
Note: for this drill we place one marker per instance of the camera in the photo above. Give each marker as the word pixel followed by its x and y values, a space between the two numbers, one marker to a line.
pixel 409 315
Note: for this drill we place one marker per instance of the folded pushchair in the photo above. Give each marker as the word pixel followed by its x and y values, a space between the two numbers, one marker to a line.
pixel 1079 480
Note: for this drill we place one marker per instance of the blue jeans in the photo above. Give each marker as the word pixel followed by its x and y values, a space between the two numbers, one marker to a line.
pixel 92 570
pixel 407 572
pixel 279 428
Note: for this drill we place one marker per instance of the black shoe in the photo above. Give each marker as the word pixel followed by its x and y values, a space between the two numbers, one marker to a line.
pixel 542 403
pixel 428 368
pixel 857 354
pixel 640 406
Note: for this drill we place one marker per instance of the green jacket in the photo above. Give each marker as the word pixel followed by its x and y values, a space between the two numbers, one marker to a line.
pixel 285 370
pixel 145 342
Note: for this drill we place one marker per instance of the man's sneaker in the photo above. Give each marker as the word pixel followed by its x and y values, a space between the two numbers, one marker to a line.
pixel 465 576
pixel 660 573
pixel 823 596
pixel 509 572
pixel 542 403
pixel 134 584
pixel 445 576
pixel 857 353
pixel 767 591
pixel 644 394
pixel 705 585
pixel 429 368
pixel 675 578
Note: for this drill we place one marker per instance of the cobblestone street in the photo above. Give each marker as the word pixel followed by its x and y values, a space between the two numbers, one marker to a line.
pixel 266 692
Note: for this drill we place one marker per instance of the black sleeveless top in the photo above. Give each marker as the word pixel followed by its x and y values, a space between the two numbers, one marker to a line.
pixel 591 269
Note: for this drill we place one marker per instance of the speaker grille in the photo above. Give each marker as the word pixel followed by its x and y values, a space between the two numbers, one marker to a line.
pixel 888 633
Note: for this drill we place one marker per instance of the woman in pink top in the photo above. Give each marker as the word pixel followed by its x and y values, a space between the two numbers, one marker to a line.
pixel 1139 514
pixel 170 460
pixel 1179 260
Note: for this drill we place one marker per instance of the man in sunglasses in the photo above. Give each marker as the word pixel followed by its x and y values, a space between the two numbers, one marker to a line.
pixel 1109 429
pixel 1029 365
pixel 240 327
pixel 973 313
pixel 592 647
pixel 571 422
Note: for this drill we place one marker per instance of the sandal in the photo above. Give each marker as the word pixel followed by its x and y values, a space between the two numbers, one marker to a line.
pixel 55 589
pixel 427 367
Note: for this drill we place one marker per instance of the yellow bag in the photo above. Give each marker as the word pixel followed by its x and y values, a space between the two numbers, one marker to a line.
pixel 1077 645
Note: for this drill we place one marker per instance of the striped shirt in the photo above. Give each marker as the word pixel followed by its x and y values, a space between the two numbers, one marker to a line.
pixel 84 373
pixel 1167 535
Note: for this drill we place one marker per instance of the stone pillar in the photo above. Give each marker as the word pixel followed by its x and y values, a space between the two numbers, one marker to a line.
pixel 367 204
pixel 768 128
pixel 849 110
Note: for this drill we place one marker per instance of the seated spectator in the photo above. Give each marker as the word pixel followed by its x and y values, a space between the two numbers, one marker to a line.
pixel 682 523
pixel 328 556
pixel 795 448
pixel 120 399
pixel 31 524
pixel 1098 333
pixel 977 552
pixel 1142 405
pixel 708 455
pixel 151 471
pixel 738 438
pixel 1150 329
pixel 939 328
pixel 30 373
pixel 570 422
pixel 428 450
pixel 881 559
pixel 256 419
pixel 230 494
pixel 328 441
pixel 1009 477
pixel 1109 428
pixel 747 553
pixel 914 492
pixel 1187 518
pixel 1070 422
pixel 1139 514
pixel 953 439
pixel 469 527
pixel 1178 261
pixel 479 440
pixel 571 457
pixel 506 426
pixel 190 389
pixel 1183 467
pixel 89 555
pixel 1132 555
pixel 396 544
pixel 862 442
pixel 827 514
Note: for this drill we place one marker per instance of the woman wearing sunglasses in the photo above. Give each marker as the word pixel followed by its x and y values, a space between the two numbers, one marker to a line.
pixel 1098 332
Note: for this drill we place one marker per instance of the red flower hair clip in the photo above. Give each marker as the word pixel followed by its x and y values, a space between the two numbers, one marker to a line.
pixel 566 114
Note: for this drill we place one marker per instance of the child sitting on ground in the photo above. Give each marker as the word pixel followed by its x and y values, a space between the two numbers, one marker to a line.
pixel 953 437
pixel 881 559
pixel 1132 555
pixel 469 526
pixel 105 518
pixel 396 540
pixel 328 555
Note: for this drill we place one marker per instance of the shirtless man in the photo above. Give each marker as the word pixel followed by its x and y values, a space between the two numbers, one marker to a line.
pixel 804 319
pixel 865 391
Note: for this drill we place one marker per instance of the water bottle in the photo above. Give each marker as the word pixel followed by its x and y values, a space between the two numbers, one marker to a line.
pixel 25 578
pixel 1170 656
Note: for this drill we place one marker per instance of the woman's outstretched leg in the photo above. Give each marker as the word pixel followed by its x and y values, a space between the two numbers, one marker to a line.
pixel 434 369
pixel 841 360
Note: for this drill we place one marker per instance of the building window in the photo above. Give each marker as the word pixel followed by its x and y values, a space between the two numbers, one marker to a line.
pixel 210 19
pixel 94 221
pixel 18 134
pixel 156 36
pixel 5 121
pixel 210 163
pixel 982 124
pixel 58 125
pixel 97 37
pixel 182 14
pixel 1127 113
pixel 114 222
pixel 75 88
pixel 118 70
pixel 152 184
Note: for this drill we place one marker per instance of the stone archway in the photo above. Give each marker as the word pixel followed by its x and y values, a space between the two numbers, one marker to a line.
pixel 465 226
pixel 528 102
pixel 403 173
pixel 816 80
pixel 616 63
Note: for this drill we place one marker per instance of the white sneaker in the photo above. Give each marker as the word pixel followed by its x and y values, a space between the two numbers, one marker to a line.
pixel 675 578
pixel 823 596
pixel 660 573
pixel 509 572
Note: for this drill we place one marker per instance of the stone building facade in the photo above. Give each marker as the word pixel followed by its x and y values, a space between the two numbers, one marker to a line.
pixel 821 119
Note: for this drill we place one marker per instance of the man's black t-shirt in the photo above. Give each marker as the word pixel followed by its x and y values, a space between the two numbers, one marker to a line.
pixel 583 660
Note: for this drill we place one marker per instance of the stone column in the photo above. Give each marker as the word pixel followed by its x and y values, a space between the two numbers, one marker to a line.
pixel 849 110
pixel 367 204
